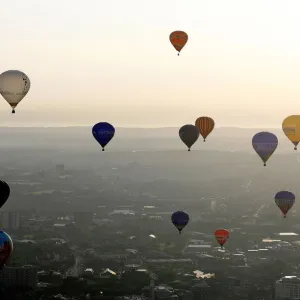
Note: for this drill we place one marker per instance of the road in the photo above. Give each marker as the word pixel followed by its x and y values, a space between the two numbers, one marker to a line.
pixel 259 210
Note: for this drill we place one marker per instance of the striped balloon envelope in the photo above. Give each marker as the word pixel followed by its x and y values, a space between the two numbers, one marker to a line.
pixel 205 125
pixel 178 39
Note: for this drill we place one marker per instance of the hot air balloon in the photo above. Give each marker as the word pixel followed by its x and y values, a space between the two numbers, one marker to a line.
pixel 180 219
pixel 222 236
pixel 205 126
pixel 178 39
pixel 103 132
pixel 291 128
pixel 189 134
pixel 6 248
pixel 4 192
pixel 285 200
pixel 264 143
pixel 14 86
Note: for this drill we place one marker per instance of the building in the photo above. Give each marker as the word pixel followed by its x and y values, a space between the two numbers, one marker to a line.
pixel 287 287
pixel 187 295
pixel 213 205
pixel 10 220
pixel 50 277
pixel 25 276
pixel 197 249
pixel 288 236
pixel 164 292
pixel 200 291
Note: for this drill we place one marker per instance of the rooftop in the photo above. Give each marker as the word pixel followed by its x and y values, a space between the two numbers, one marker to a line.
pixel 289 279
pixel 287 233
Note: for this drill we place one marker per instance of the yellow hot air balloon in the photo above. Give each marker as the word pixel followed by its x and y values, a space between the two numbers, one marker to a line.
pixel 291 128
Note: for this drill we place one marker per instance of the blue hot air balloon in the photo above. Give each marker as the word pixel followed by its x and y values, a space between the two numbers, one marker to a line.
pixel 265 143
pixel 180 219
pixel 103 132
pixel 6 248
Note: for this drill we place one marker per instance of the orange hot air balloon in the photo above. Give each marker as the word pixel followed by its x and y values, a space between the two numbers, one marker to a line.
pixel 221 236
pixel 178 39
pixel 205 126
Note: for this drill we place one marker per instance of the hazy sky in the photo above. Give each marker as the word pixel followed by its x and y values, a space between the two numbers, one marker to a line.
pixel 112 60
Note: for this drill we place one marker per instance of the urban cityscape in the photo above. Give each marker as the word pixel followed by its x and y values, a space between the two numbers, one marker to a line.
pixel 103 231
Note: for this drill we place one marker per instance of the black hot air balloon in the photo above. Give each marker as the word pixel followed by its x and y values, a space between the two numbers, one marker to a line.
pixel 4 192
pixel 189 134
pixel 180 219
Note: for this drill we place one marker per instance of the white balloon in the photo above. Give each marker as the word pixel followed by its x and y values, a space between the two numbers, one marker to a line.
pixel 14 86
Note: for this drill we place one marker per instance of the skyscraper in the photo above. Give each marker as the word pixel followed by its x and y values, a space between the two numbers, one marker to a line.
pixel 200 291
pixel 213 205
pixel 10 220
pixel 287 287
pixel 19 277
pixel 60 169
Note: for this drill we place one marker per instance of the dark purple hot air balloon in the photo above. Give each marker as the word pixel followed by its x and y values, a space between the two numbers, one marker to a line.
pixel 180 219
pixel 189 134
pixel 264 143
pixel 103 132
pixel 285 200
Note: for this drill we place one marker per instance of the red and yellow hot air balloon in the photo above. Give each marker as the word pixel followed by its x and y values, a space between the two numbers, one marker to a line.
pixel 205 126
pixel 6 248
pixel 178 39
pixel 222 236
pixel 285 201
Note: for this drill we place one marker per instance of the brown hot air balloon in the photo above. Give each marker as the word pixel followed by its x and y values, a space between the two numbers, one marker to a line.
pixel 178 39
pixel 205 126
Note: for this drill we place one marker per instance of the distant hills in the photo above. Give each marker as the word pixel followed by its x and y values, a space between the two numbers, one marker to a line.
pixel 221 139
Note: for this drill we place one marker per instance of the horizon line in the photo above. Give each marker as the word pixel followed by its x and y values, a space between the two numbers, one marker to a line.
pixel 136 127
